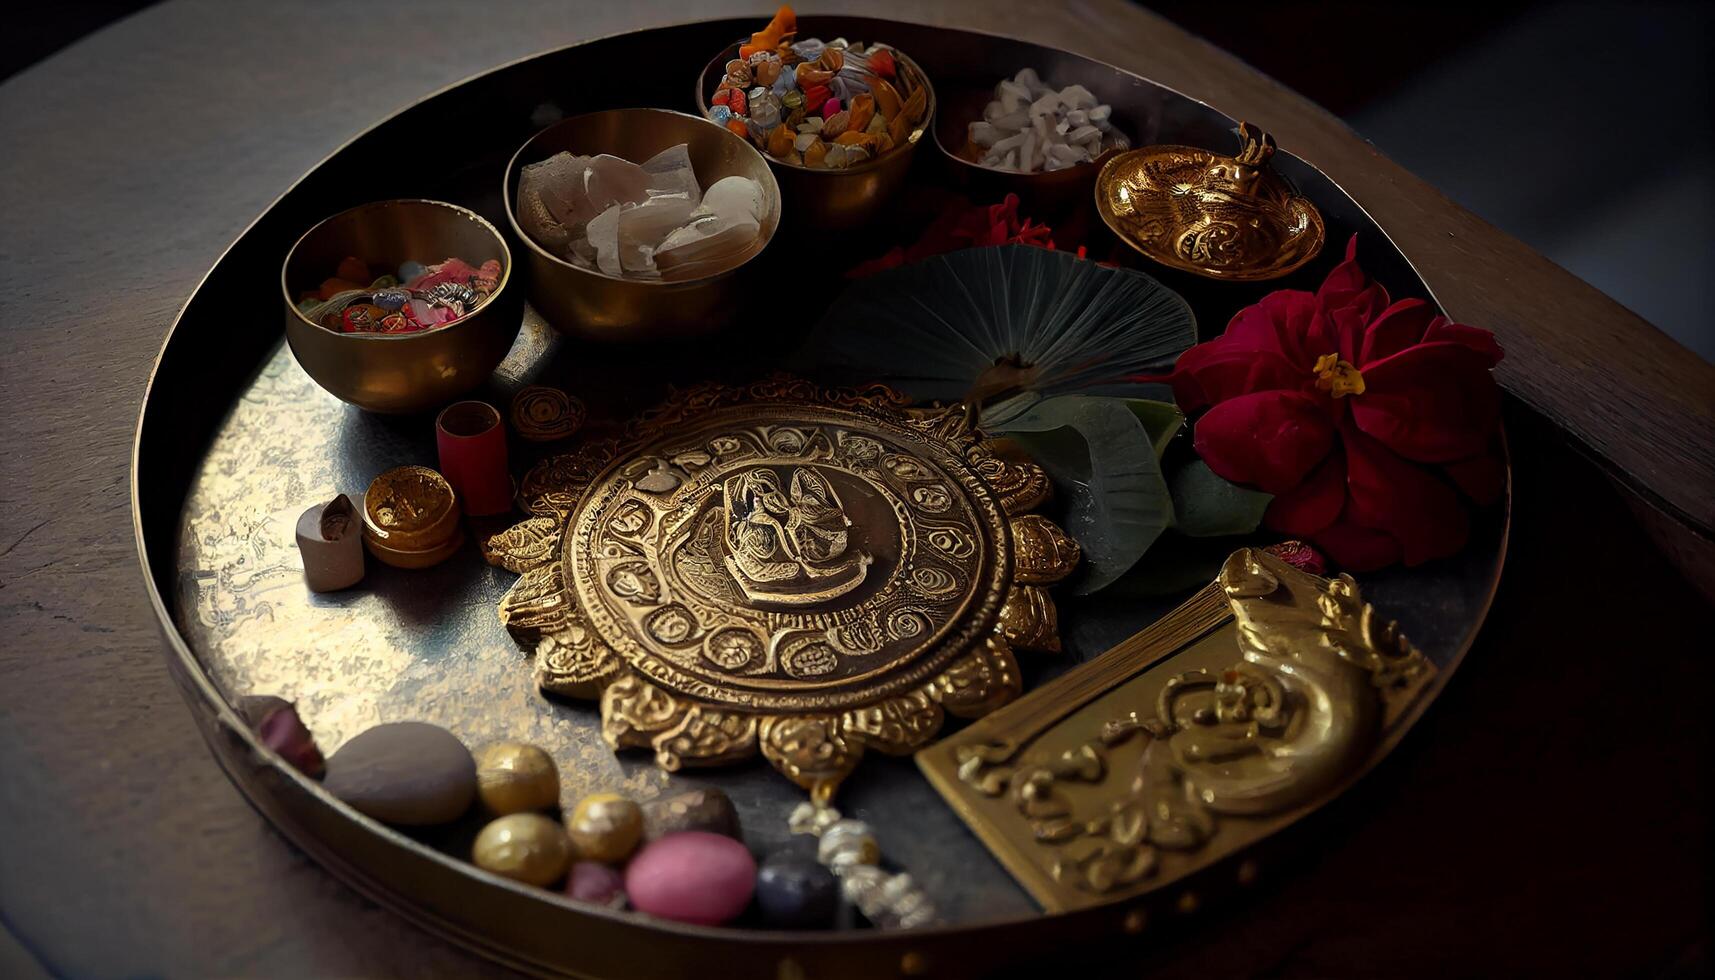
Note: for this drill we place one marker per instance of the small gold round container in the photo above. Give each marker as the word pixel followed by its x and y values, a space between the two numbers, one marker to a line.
pixel 401 373
pixel 836 200
pixel 411 518
pixel 593 305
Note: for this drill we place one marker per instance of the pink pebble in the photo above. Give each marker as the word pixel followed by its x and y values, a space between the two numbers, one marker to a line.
pixel 830 107
pixel 694 876
pixel 592 881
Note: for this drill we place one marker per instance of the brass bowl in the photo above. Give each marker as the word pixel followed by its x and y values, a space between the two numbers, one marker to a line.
pixel 1045 192
pixel 1231 219
pixel 401 373
pixel 593 305
pixel 835 200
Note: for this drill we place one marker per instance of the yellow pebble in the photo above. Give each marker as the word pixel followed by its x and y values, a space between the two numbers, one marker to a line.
pixel 512 777
pixel 525 847
pixel 606 827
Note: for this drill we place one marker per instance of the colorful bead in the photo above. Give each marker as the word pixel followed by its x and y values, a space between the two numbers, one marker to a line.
pixel 707 810
pixel 361 318
pixel 692 877
pixel 793 891
pixel 512 777
pixel 606 827
pixel 525 847
pixel 597 883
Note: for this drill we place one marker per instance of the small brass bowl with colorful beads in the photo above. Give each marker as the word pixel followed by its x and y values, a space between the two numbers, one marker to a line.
pixel 826 199
pixel 405 372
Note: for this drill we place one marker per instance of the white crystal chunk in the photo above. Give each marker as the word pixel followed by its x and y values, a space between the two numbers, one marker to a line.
pixel 1030 126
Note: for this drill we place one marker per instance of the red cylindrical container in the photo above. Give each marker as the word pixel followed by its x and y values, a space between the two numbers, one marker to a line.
pixel 472 444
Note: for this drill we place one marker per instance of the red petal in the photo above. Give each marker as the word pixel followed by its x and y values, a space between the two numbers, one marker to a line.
pixel 1358 549
pixel 1476 338
pixel 1482 477
pixel 1279 323
pixel 1345 281
pixel 1214 372
pixel 1313 504
pixel 1390 494
pixel 1432 403
pixel 1270 439
pixel 1347 302
pixel 1400 326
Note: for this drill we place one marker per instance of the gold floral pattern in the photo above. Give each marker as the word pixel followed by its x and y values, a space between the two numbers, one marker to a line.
pixel 783 568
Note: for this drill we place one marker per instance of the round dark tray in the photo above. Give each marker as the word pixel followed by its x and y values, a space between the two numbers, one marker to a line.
pixel 235 439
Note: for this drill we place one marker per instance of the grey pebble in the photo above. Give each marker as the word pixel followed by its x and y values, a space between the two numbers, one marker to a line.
pixel 407 773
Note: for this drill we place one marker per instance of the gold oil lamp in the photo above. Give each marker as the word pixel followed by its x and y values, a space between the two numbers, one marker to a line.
pixel 1229 218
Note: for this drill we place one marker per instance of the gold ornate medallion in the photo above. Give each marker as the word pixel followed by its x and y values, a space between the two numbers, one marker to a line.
pixel 784 568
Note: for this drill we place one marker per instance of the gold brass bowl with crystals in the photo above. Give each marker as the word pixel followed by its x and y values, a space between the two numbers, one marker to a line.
pixel 401 373
pixel 1043 192
pixel 818 199
pixel 1227 218
pixel 807 573
pixel 592 305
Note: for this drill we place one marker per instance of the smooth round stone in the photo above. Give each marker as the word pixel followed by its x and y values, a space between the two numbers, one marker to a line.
pixel 525 847
pixel 597 883
pixel 512 777
pixel 606 827
pixel 793 891
pixel 700 809
pixel 411 270
pixel 407 773
pixel 694 877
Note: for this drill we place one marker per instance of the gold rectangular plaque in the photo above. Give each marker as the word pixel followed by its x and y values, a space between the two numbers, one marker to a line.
pixel 1253 702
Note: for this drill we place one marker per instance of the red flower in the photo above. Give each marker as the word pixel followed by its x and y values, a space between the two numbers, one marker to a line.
pixel 963 226
pixel 1369 421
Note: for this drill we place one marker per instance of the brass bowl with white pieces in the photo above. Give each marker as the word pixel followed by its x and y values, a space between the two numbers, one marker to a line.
pixel 592 305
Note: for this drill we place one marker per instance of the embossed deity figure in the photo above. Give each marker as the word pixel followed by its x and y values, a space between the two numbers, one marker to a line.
pixel 789 546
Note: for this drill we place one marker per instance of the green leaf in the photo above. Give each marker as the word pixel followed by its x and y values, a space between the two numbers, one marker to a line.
pixel 991 321
pixel 995 416
pixel 1207 506
pixel 1102 460
pixel 1161 420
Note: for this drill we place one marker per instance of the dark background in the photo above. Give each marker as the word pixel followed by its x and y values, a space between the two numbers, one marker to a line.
pixel 1581 128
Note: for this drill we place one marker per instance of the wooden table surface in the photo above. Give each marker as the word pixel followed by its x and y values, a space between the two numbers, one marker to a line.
pixel 1550 815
